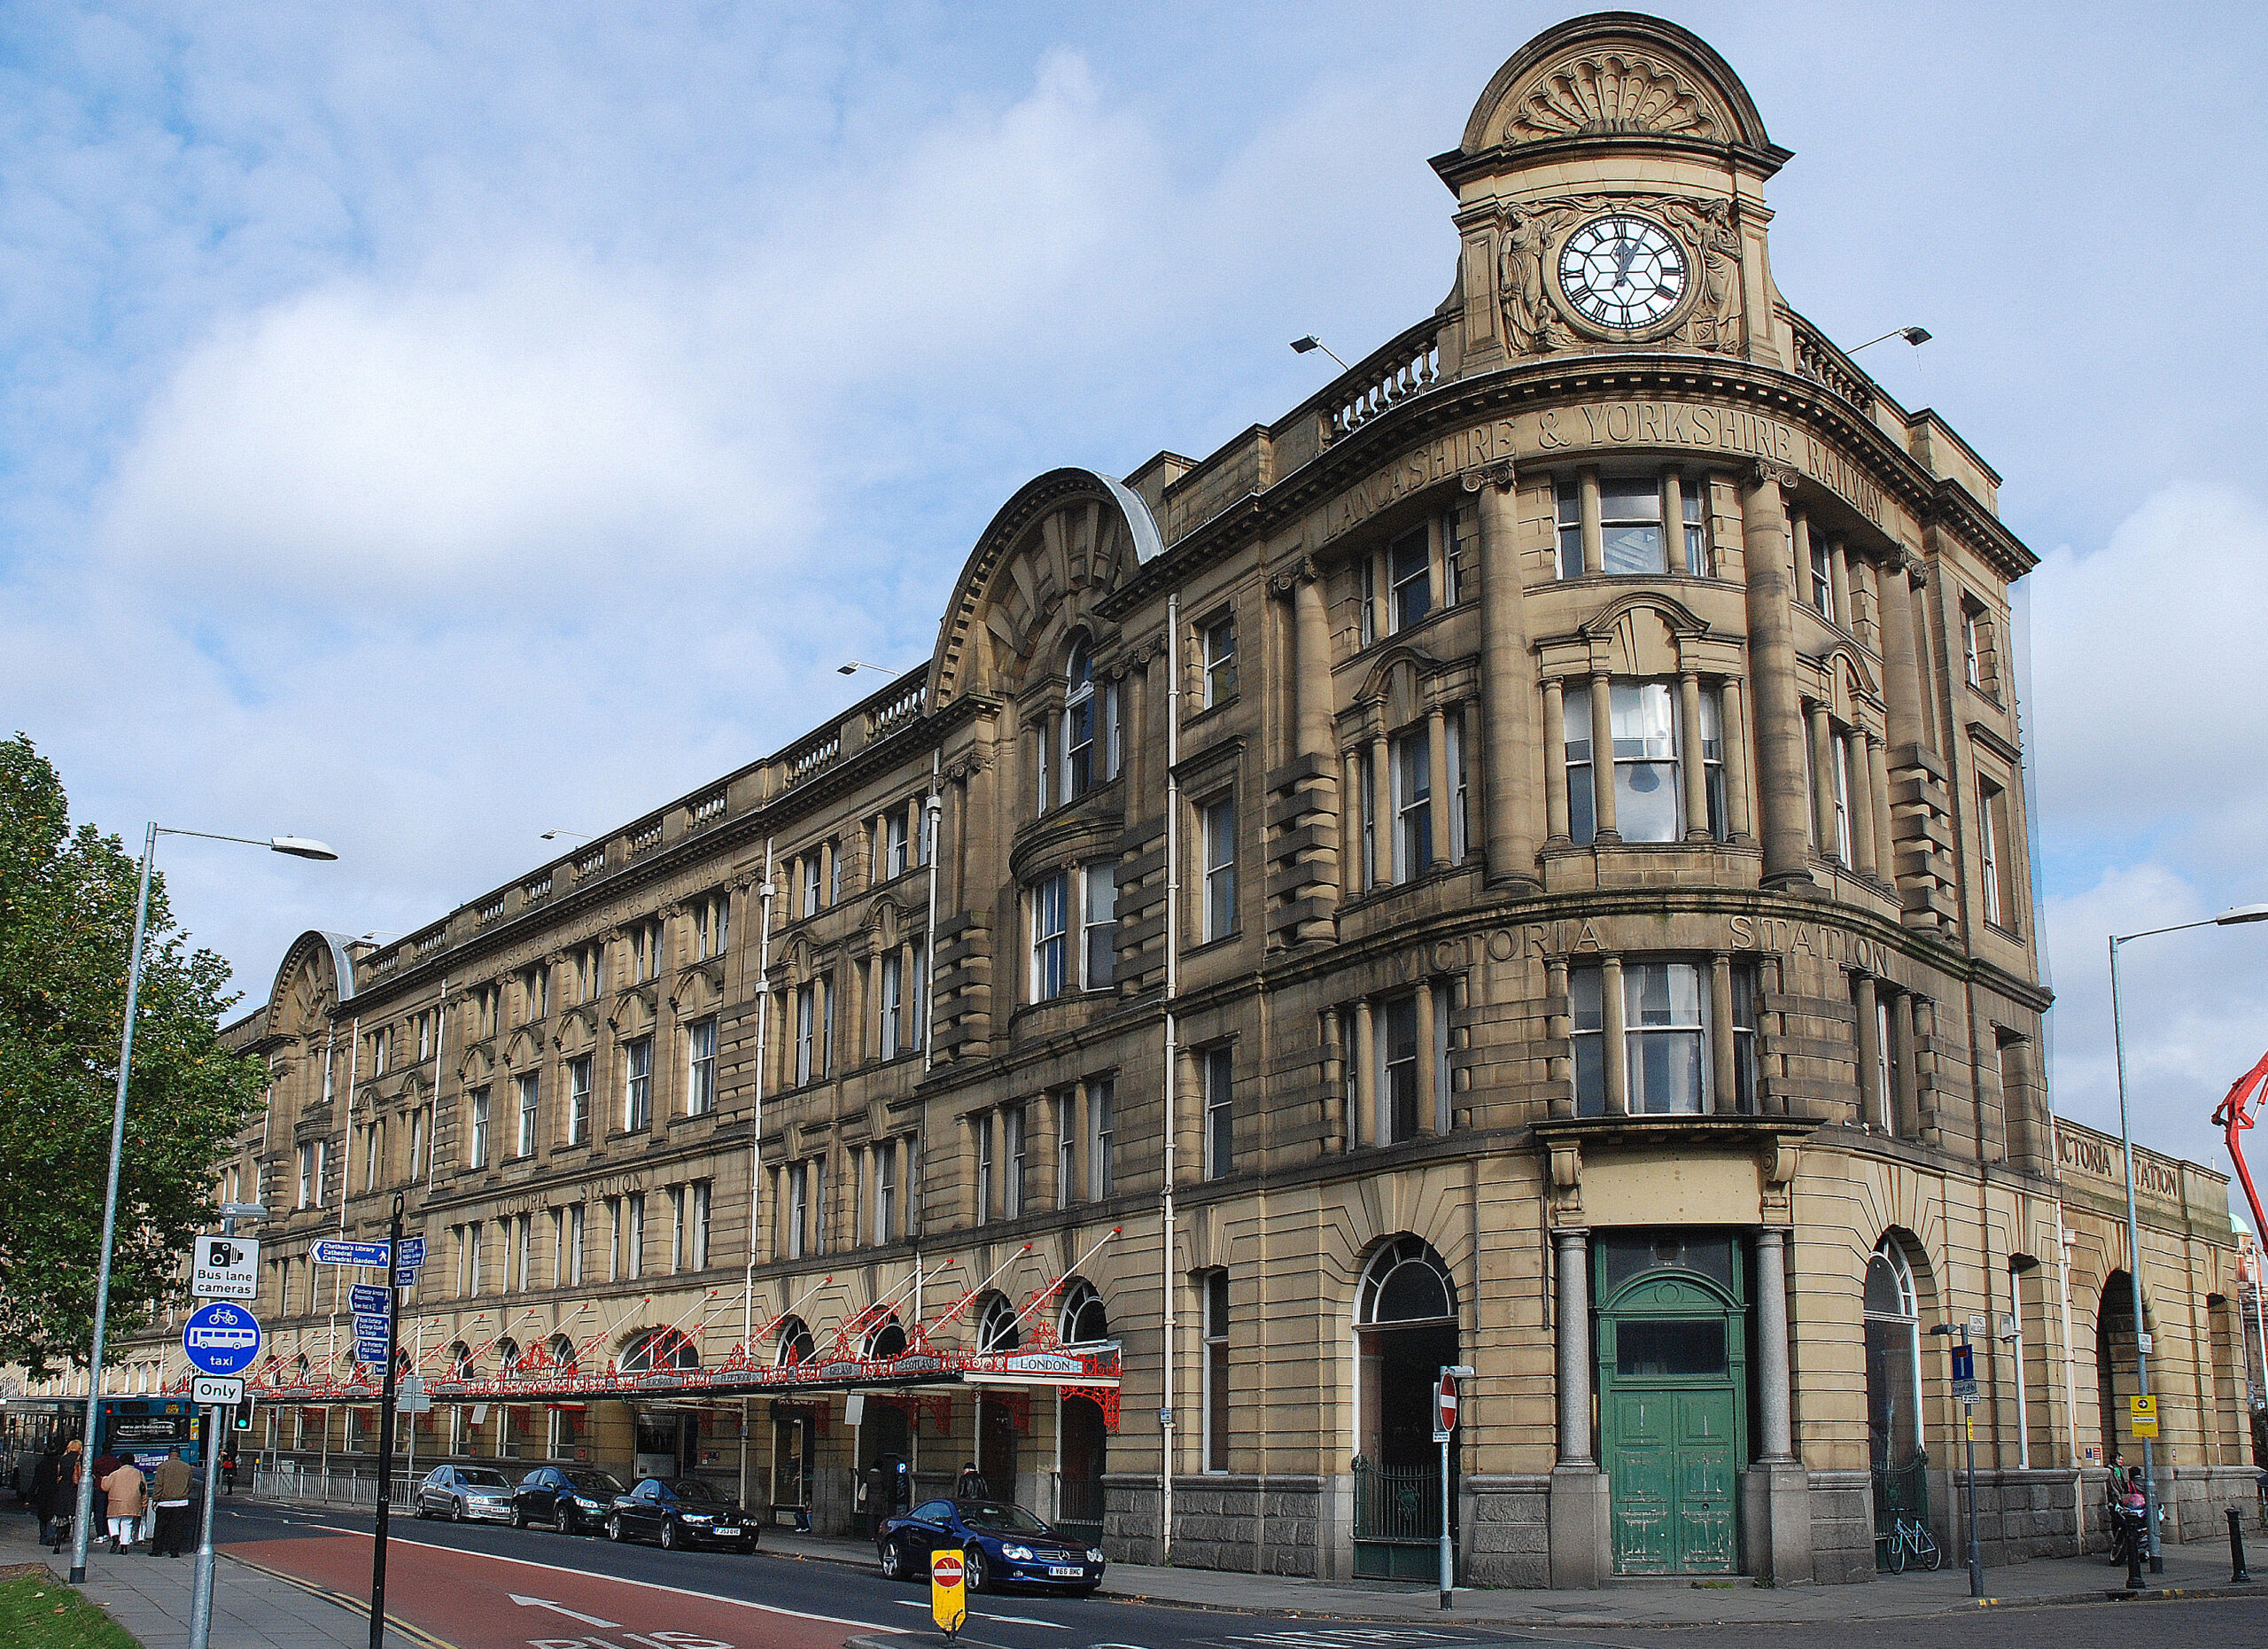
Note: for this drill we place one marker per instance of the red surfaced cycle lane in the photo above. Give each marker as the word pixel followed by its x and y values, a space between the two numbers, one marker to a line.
pixel 478 1601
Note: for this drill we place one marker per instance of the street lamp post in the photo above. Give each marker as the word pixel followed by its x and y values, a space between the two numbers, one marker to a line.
pixel 298 847
pixel 2226 919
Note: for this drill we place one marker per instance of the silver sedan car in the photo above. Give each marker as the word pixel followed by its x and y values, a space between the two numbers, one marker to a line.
pixel 480 1493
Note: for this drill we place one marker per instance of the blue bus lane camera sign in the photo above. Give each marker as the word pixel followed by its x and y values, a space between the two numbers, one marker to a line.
pixel 221 1339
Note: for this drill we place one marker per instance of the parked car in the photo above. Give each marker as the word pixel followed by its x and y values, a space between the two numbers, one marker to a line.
pixel 458 1492
pixel 570 1499
pixel 683 1512
pixel 1001 1543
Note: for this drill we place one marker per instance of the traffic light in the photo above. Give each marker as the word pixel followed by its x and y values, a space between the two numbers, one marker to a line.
pixel 243 1412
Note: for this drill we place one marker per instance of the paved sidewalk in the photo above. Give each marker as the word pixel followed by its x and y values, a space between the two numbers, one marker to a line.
pixel 252 1607
pixel 2197 1569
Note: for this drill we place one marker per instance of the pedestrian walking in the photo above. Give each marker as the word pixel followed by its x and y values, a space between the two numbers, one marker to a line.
pixel 126 1490
pixel 228 1470
pixel 169 1487
pixel 45 1475
pixel 104 1465
pixel 970 1485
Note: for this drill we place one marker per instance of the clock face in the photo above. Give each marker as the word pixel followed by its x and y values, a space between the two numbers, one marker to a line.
pixel 1622 272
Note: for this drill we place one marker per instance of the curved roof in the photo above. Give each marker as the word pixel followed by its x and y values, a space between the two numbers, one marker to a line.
pixel 1622 72
pixel 1031 502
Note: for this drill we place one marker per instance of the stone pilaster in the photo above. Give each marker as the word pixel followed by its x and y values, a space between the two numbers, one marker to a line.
pixel 1920 803
pixel 1304 834
pixel 1774 711
pixel 1506 741
pixel 1776 1491
pixel 1581 1539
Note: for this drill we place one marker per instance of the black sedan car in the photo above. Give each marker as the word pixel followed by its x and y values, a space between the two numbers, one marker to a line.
pixel 684 1512
pixel 569 1499
pixel 1001 1544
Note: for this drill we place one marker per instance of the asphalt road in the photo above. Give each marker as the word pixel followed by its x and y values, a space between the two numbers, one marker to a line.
pixel 483 1586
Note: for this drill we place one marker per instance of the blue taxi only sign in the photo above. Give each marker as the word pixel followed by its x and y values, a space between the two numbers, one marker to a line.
pixel 221 1339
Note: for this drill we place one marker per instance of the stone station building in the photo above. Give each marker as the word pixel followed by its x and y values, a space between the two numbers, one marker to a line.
pixel 1522 861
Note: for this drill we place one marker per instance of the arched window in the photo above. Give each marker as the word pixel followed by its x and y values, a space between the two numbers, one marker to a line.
pixel 652 1349
pixel 507 1352
pixel 1078 722
pixel 563 1355
pixel 796 1343
pixel 1084 1321
pixel 1893 1328
pixel 996 1330
pixel 461 1362
pixel 1406 1283
pixel 885 1339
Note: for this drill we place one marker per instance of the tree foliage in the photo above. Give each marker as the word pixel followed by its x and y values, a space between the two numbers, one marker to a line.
pixel 66 919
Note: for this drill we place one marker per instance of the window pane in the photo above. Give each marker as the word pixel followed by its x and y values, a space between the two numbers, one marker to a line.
pixel 1630 526
pixel 1645 751
pixel 1101 923
pixel 1670 1348
pixel 1666 1071
pixel 1412 572
pixel 1583 821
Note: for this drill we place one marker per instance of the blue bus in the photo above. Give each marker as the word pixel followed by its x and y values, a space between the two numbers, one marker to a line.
pixel 143 1429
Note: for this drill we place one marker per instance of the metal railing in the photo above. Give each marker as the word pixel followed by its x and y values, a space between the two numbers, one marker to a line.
pixel 1397 1503
pixel 328 1485
pixel 1902 1491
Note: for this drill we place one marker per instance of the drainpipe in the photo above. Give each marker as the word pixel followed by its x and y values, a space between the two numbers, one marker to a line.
pixel 1173 980
pixel 756 1141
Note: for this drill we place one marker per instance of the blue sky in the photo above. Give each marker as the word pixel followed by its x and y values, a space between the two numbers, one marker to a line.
pixel 429 425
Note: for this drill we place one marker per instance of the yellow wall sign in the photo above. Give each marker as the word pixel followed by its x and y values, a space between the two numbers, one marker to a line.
pixel 948 1596
pixel 2142 1416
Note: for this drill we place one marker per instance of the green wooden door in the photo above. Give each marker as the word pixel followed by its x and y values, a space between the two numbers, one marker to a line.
pixel 1671 1424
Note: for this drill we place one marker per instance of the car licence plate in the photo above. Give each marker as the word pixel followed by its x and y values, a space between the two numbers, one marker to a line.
pixel 729 1528
pixel 1058 1572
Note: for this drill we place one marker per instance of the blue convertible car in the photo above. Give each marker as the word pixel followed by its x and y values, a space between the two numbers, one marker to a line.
pixel 1003 1544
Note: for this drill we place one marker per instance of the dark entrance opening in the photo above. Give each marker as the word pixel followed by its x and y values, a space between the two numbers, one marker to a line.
pixel 1086 1444
pixel 1406 1333
pixel 883 1441
pixel 996 1446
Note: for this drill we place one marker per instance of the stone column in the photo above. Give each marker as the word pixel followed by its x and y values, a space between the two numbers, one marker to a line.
pixel 1593 546
pixel 1724 1082
pixel 1579 1544
pixel 1438 799
pixel 1311 660
pixel 1822 784
pixel 1776 1492
pixel 1906 1108
pixel 1354 873
pixel 1335 1082
pixel 1613 1024
pixel 1901 669
pixel 1073 1123
pixel 1673 520
pixel 1774 709
pixel 1138 779
pixel 1862 802
pixel 1189 1118
pixel 1739 826
pixel 1873 1103
pixel 1603 755
pixel 826 873
pixel 1040 1190
pixel 1838 580
pixel 1689 758
pixel 1383 825
pixel 1364 1122
pixel 1878 804
pixel 1428 1075
pixel 1506 742
pixel 1555 762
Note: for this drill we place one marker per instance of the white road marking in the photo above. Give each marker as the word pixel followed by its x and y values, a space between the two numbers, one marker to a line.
pixel 561 1608
pixel 623 1580
pixel 1013 1620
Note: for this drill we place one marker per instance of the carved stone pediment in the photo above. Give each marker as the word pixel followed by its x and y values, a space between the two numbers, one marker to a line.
pixel 1612 91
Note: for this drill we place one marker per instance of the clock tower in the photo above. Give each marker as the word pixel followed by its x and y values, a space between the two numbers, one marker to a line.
pixel 1610 196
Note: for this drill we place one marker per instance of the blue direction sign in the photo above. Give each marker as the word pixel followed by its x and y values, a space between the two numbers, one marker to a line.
pixel 221 1339
pixel 412 1252
pixel 332 1251
pixel 1964 1371
pixel 367 1299
pixel 370 1338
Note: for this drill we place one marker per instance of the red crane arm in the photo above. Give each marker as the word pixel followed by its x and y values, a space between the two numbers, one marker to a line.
pixel 2234 1115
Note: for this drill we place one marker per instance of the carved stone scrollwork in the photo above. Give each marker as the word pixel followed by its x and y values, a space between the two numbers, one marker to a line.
pixel 1500 476
pixel 1780 475
pixel 1286 579
pixel 1529 236
pixel 1612 91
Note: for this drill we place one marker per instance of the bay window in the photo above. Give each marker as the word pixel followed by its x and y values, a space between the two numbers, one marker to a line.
pixel 1412 771
pixel 1651 744
pixel 1050 902
pixel 1661 1012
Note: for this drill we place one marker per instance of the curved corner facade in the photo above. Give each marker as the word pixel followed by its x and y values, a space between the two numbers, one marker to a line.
pixel 1522 862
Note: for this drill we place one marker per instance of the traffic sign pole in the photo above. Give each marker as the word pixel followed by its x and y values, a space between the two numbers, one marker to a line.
pixel 385 1439
pixel 200 1613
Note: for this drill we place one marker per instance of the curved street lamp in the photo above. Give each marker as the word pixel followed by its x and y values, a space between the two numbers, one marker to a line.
pixel 297 847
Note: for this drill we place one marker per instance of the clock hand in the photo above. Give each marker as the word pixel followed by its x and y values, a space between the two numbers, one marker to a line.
pixel 1625 250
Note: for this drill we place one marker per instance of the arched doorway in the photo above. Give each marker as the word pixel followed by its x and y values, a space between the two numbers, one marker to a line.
pixel 1406 1333
pixel 2117 1354
pixel 1896 1447
pixel 1672 1384
pixel 996 1330
pixel 1083 1326
pixel 885 1440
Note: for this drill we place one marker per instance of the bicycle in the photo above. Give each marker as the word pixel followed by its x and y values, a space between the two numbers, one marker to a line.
pixel 1911 1541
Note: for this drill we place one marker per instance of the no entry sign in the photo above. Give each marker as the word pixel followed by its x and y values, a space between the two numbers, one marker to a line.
pixel 1445 1407
pixel 948 1596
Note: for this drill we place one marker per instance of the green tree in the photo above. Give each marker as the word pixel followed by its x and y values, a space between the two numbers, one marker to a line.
pixel 66 917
